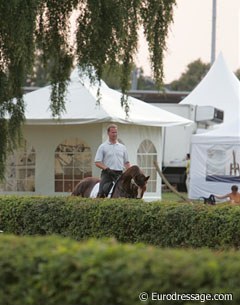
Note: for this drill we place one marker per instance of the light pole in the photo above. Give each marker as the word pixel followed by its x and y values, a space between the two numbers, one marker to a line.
pixel 214 18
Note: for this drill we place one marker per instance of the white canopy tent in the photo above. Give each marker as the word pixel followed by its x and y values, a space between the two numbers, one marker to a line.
pixel 61 151
pixel 213 152
pixel 215 160
pixel 82 107
pixel 220 88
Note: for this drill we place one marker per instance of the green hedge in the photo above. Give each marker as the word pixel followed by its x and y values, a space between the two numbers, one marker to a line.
pixel 156 223
pixel 59 271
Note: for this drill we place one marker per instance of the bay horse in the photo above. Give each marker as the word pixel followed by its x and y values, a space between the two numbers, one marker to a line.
pixel 131 184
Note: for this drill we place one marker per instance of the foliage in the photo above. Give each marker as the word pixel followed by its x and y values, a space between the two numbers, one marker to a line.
pixel 112 77
pixel 40 75
pixel 191 78
pixel 17 24
pixel 159 223
pixel 106 33
pixel 145 82
pixel 53 270
pixel 238 74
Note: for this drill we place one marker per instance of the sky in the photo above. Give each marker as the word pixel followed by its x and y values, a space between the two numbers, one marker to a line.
pixel 190 35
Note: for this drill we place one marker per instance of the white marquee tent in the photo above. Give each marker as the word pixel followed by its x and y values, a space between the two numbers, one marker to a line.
pixel 215 160
pixel 220 88
pixel 82 107
pixel 213 154
pixel 61 151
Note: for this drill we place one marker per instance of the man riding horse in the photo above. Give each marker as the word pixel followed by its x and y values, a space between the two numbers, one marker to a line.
pixel 111 158
pixel 131 184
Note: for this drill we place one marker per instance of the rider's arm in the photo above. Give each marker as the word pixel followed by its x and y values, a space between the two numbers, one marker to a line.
pixel 100 165
pixel 222 196
pixel 127 165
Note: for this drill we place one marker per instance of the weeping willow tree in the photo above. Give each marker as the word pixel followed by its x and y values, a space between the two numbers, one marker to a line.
pixel 106 33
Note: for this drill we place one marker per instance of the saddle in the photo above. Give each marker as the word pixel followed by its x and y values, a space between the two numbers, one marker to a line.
pixel 209 200
pixel 107 187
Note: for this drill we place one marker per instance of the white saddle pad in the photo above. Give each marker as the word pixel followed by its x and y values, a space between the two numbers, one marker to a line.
pixel 95 189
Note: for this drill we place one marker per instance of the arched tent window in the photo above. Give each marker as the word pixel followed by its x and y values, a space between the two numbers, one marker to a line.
pixel 72 163
pixel 146 154
pixel 20 170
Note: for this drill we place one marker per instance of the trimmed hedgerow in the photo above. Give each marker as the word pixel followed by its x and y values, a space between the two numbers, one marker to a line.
pixel 58 271
pixel 157 223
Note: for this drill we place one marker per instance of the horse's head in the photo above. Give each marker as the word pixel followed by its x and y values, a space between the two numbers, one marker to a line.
pixel 133 183
pixel 140 184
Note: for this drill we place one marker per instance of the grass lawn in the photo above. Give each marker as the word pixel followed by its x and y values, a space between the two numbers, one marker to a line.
pixel 170 196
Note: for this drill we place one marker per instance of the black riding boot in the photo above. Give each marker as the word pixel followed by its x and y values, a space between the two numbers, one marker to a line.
pixel 105 179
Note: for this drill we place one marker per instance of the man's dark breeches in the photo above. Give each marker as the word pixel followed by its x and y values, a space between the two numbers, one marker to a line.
pixel 106 182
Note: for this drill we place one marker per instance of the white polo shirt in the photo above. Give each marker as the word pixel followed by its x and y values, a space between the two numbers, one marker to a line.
pixel 113 156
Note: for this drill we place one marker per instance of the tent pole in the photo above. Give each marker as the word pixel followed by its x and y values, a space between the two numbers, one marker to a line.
pixel 214 18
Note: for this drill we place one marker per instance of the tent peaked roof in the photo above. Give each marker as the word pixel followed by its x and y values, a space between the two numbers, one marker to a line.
pixel 82 107
pixel 220 88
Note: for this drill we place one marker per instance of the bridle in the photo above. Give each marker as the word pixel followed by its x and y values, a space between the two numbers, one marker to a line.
pixel 133 182
pixel 139 187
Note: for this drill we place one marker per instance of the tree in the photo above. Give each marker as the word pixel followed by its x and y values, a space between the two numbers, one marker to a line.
pixel 40 75
pixel 237 73
pixel 112 77
pixel 190 79
pixel 106 32
pixel 145 82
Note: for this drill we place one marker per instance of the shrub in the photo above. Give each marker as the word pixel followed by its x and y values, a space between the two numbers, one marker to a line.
pixel 156 223
pixel 60 271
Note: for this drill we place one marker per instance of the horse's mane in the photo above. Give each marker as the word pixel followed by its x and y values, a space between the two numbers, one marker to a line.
pixel 132 171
